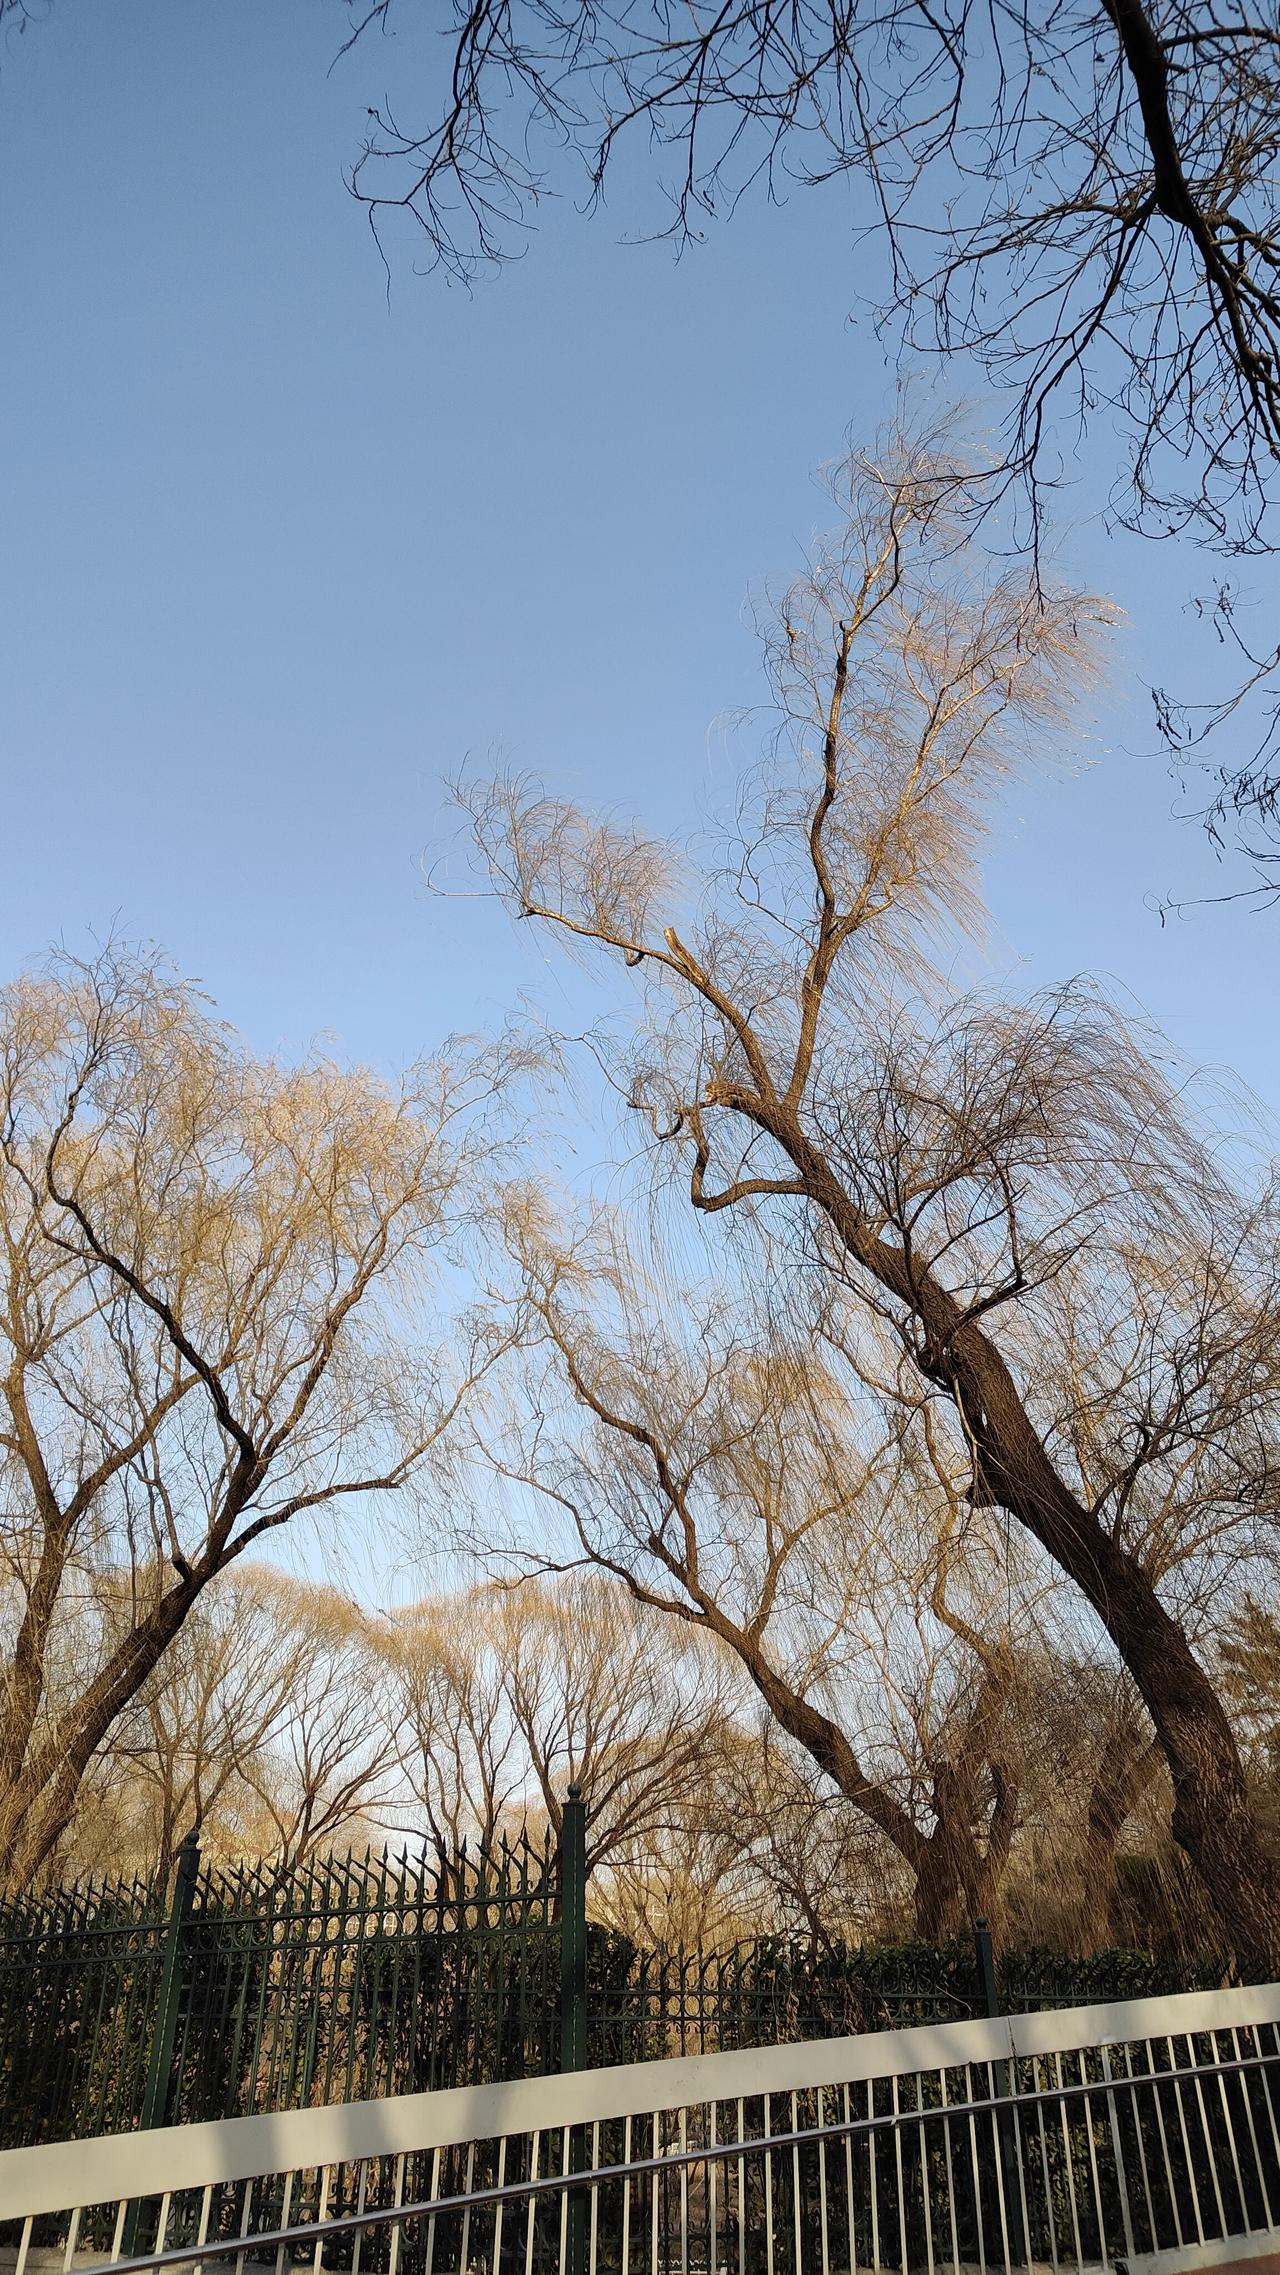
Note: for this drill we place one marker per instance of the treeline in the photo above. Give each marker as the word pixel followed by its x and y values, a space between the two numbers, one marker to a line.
pixel 874 1484
pixel 288 1724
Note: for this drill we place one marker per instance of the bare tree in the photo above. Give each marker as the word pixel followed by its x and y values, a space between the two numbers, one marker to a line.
pixel 1249 1658
pixel 695 1886
pixel 607 1697
pixel 459 1745
pixel 1089 1764
pixel 763 1847
pixel 807 1863
pixel 183 1752
pixel 1085 197
pixel 1082 198
pixel 944 1167
pixel 681 1895
pixel 208 1328
pixel 327 1769
pixel 511 1694
pixel 729 1484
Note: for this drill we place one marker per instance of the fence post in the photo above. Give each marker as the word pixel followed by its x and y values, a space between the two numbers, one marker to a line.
pixel 164 2029
pixel 156 2098
pixel 573 1932
pixel 573 2002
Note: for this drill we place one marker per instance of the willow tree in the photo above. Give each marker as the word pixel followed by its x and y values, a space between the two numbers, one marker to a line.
pixel 185 1750
pixel 507 1695
pixel 730 1482
pixel 211 1326
pixel 975 1181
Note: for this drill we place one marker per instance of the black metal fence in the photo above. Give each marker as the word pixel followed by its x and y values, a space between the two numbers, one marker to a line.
pixel 354 1977
pixel 361 1976
pixel 643 2005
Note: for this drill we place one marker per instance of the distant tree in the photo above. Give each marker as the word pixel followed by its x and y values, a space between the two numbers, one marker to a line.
pixel 460 1749
pixel 1092 1775
pixel 209 1327
pixel 179 1755
pixel 326 1771
pixel 1249 1656
pixel 807 1864
pixel 1020 1238
pixel 763 1846
pixel 508 1695
pixel 1249 1660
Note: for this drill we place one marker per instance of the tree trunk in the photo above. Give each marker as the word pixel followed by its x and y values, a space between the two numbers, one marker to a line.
pixel 940 1900
pixel 1127 1767
pixel 955 1880
pixel 959 1879
pixel 1212 1819
pixel 826 1744
pixel 953 1877
pixel 37 1805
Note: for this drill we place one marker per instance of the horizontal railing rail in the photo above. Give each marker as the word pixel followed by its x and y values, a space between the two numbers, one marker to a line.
pixel 1062 2138
pixel 436 2208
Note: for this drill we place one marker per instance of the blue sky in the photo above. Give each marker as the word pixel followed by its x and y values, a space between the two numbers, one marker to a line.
pixel 279 552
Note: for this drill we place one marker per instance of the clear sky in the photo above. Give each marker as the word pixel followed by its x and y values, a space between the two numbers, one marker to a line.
pixel 280 551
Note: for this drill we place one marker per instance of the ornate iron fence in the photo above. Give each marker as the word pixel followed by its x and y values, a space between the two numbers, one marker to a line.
pixel 650 2005
pixel 361 1977
pixel 353 1977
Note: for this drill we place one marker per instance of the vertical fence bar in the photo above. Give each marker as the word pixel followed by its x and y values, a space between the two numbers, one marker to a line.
pixel 1010 2175
pixel 573 2001
pixel 985 1955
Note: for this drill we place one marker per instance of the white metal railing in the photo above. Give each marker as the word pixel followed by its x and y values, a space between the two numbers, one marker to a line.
pixel 1049 2140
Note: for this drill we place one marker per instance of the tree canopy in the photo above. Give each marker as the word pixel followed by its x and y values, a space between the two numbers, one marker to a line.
pixel 1001 1215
